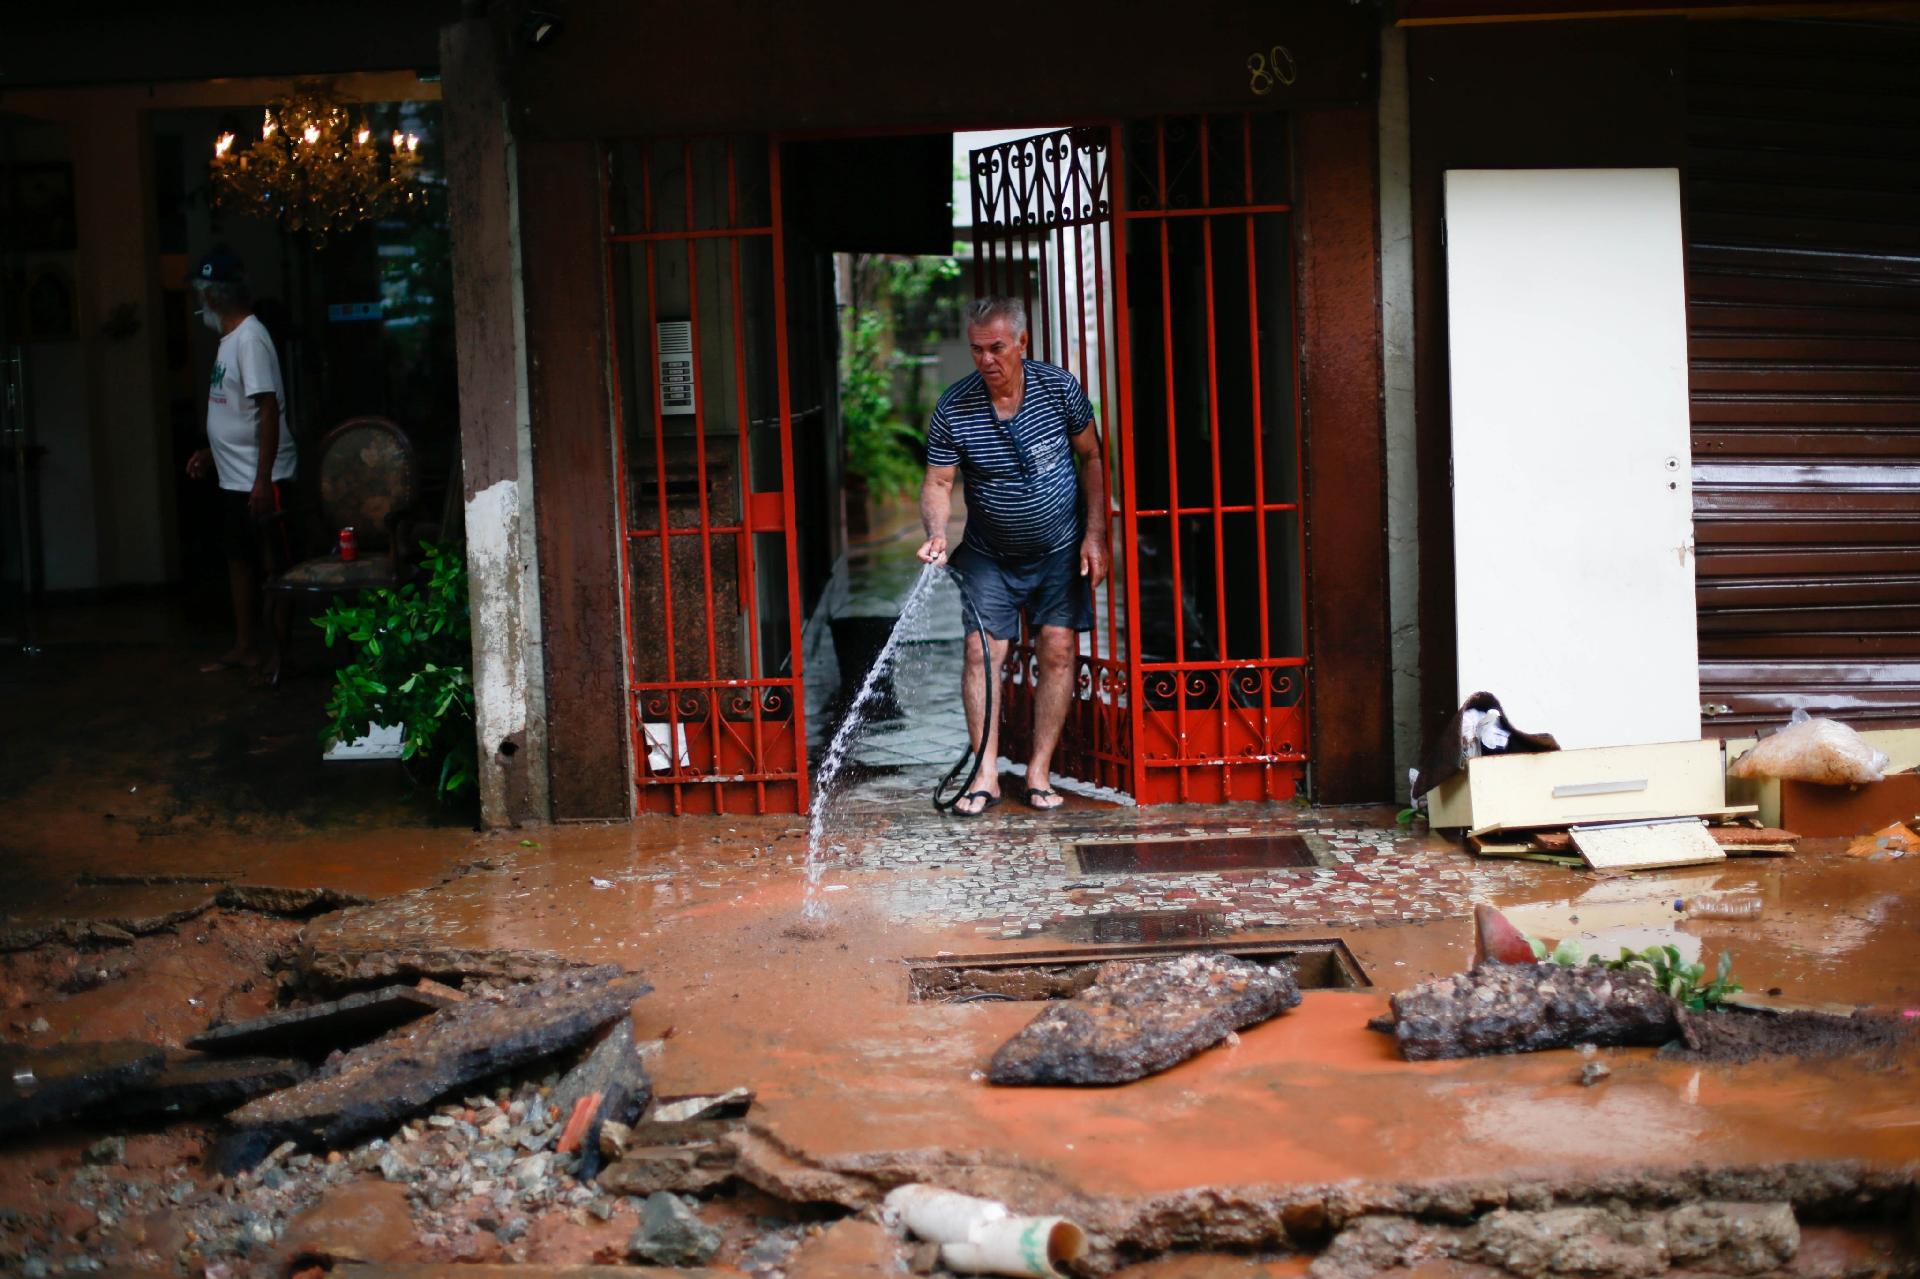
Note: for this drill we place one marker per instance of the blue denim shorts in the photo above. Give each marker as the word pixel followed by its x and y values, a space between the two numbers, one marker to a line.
pixel 1049 589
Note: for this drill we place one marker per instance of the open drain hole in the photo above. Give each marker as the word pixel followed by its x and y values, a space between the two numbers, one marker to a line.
pixel 1320 963
pixel 1187 853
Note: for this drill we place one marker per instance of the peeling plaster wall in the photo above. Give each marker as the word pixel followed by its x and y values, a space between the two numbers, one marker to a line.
pixel 1396 325
pixel 494 573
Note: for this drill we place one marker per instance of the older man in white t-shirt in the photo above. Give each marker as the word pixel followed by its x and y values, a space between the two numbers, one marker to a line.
pixel 250 447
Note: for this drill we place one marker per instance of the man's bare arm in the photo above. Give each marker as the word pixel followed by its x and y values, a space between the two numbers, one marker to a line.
pixel 936 505
pixel 260 501
pixel 1094 561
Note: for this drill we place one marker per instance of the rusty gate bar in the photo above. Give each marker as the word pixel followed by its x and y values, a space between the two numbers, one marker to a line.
pixel 1127 535
pixel 1259 441
pixel 790 523
pixel 1253 746
pixel 734 740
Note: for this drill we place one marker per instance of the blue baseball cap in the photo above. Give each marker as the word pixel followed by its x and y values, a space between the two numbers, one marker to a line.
pixel 221 266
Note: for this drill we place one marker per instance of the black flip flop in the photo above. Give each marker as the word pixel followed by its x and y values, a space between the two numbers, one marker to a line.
pixel 1044 790
pixel 991 799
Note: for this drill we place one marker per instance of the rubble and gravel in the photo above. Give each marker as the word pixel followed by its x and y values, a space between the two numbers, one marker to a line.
pixel 470 1168
pixel 1138 1019
pixel 1511 1008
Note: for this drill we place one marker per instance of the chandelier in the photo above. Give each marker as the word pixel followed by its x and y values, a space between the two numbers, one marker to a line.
pixel 316 169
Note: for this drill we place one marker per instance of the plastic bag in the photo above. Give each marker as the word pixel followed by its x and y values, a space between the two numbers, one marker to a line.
pixel 1811 749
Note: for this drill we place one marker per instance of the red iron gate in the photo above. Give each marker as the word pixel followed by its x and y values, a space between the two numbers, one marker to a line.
pixel 703 418
pixel 1191 687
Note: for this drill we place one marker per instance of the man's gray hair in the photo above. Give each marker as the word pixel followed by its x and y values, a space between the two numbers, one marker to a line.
pixel 224 297
pixel 985 311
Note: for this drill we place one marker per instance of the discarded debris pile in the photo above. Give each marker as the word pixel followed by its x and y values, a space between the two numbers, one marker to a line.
pixel 1141 1018
pixel 469 1178
pixel 1511 1008
pixel 395 1076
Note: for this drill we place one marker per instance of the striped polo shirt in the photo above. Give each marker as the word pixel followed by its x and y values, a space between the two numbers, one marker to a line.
pixel 1023 493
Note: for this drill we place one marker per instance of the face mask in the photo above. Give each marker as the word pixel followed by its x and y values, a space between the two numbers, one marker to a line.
pixel 210 318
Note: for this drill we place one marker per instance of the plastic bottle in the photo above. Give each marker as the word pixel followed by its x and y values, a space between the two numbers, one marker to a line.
pixel 1735 905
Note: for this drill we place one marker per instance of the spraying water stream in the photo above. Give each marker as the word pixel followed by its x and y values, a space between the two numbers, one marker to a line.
pixel 839 751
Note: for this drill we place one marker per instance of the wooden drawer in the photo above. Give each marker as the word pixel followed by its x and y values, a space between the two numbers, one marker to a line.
pixel 1606 783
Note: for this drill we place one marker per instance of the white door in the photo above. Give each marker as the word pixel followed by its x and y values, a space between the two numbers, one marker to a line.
pixel 1572 502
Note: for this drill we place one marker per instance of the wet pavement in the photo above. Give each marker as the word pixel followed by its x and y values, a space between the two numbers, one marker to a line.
pixel 847 1066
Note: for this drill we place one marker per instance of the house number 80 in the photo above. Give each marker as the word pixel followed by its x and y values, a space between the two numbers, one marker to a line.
pixel 1269 69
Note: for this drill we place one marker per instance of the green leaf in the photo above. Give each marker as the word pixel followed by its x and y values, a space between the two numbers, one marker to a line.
pixel 1568 953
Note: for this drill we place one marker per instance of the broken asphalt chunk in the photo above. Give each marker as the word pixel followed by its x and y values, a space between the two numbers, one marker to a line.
pixel 1514 1008
pixel 1141 1018
pixel 409 1068
pixel 686 1157
pixel 45 1084
pixel 192 1084
pixel 349 970
pixel 317 1030
pixel 295 902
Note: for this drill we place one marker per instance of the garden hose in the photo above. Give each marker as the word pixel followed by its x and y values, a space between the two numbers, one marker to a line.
pixel 973 757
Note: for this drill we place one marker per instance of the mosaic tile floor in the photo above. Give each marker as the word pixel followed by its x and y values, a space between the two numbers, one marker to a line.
pixel 1008 876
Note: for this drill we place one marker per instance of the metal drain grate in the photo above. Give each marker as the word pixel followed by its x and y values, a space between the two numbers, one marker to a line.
pixel 1188 853
pixel 1318 964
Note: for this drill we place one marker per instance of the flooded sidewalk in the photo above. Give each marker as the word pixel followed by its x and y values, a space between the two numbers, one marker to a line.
pixel 801 1068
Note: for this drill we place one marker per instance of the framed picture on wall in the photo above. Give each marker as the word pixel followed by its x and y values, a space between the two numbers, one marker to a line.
pixel 38 213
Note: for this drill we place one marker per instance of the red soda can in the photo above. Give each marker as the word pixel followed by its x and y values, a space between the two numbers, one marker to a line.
pixel 349 545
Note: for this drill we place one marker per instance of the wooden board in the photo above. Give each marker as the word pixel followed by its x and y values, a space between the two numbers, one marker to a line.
pixel 1736 810
pixel 1646 845
pixel 1735 839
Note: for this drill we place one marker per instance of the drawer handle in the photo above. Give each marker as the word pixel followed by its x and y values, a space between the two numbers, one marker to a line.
pixel 1599 788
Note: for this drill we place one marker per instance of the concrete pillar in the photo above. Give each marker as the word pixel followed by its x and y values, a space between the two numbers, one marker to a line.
pixel 495 438
pixel 1396 331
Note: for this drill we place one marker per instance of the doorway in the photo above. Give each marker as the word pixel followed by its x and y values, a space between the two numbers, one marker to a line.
pixel 1156 263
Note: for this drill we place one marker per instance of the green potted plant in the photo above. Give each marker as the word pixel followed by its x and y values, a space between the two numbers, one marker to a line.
pixel 411 668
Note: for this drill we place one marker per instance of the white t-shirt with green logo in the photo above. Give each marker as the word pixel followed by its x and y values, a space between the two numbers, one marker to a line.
pixel 244 367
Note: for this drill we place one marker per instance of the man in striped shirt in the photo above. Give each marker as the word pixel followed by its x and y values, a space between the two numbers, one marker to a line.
pixel 1036 539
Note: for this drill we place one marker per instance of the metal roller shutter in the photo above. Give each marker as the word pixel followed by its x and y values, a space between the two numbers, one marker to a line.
pixel 1803 266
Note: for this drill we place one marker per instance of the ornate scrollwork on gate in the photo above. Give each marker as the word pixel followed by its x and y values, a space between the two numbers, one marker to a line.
pixel 1040 183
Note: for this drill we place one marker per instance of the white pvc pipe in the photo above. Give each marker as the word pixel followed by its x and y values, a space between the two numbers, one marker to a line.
pixel 943 1216
pixel 977 1236
pixel 1017 1246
